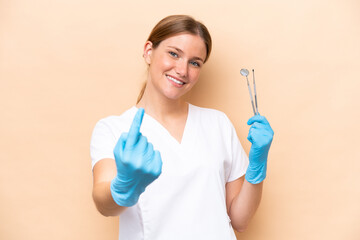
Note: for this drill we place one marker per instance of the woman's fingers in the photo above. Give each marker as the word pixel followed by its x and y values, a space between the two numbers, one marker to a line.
pixel 259 119
pixel 134 132
pixel 260 132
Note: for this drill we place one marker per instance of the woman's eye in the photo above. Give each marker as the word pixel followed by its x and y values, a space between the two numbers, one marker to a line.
pixel 196 64
pixel 173 54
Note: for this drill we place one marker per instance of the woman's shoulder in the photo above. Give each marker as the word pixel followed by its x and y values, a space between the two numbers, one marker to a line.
pixel 208 111
pixel 209 114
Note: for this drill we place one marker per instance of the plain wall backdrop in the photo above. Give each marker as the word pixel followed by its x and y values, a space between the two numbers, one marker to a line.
pixel 66 64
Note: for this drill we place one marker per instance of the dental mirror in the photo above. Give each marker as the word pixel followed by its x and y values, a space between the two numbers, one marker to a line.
pixel 244 72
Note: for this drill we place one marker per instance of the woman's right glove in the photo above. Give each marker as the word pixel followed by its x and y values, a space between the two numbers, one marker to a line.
pixel 137 163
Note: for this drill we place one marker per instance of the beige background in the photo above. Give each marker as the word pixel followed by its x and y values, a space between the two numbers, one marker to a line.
pixel 66 64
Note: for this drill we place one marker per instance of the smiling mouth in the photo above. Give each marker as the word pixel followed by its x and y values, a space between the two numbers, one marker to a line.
pixel 175 80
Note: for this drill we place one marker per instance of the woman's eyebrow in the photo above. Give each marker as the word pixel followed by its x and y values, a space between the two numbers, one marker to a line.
pixel 178 49
pixel 197 58
pixel 181 51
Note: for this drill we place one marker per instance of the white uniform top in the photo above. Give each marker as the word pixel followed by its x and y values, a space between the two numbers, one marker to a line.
pixel 187 201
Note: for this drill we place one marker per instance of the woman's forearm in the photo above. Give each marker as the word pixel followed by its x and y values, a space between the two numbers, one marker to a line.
pixel 244 205
pixel 104 201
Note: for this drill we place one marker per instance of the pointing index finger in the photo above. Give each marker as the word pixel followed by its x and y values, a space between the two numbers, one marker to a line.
pixel 134 131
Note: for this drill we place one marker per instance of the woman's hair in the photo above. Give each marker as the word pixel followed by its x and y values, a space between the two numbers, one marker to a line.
pixel 176 24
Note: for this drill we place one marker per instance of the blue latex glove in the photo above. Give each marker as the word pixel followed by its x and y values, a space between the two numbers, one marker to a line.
pixel 260 135
pixel 138 164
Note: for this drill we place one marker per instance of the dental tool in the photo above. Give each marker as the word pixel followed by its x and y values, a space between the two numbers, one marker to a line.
pixel 256 105
pixel 245 73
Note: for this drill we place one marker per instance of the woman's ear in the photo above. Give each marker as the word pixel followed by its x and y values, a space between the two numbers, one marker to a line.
pixel 147 52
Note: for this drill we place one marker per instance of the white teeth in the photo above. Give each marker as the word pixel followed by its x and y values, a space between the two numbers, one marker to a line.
pixel 174 80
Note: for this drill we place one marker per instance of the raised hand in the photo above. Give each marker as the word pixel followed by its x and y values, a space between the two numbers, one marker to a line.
pixel 261 136
pixel 137 163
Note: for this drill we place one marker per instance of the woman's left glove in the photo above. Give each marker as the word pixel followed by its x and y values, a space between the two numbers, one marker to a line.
pixel 261 136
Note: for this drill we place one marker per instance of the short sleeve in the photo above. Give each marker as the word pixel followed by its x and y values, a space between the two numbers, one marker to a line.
pixel 102 142
pixel 239 158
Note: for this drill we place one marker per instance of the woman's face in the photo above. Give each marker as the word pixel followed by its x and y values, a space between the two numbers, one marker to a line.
pixel 174 66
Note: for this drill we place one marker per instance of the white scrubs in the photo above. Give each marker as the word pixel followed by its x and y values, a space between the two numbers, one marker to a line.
pixel 187 201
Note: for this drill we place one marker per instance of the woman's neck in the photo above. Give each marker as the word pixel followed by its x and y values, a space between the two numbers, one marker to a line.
pixel 161 107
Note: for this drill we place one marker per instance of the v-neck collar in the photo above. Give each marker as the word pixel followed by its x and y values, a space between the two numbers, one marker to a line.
pixel 161 128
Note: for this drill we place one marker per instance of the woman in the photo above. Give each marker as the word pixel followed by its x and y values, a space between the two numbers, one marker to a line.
pixel 192 186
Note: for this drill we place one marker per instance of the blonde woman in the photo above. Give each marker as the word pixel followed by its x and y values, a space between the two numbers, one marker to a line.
pixel 172 170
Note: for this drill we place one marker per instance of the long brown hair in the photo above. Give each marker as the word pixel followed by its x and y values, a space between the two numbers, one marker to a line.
pixel 173 25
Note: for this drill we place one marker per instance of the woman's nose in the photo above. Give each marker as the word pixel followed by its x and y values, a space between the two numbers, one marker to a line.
pixel 182 68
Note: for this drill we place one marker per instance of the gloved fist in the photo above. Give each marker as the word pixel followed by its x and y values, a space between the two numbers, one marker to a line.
pixel 261 136
pixel 138 164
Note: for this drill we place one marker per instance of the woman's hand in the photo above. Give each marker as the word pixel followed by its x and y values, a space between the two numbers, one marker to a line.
pixel 261 136
pixel 137 163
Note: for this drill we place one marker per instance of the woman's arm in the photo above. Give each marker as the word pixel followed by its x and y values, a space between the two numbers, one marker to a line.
pixel 242 200
pixel 244 194
pixel 104 171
